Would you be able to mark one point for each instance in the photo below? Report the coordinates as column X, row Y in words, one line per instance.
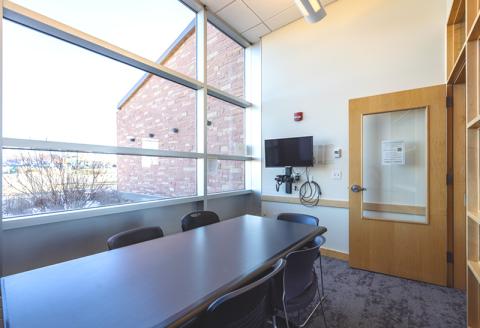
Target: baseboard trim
column 334, row 254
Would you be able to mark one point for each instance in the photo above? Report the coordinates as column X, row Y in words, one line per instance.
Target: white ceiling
column 256, row 18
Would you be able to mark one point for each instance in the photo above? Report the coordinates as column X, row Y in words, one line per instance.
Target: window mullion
column 201, row 32
column 1, row 135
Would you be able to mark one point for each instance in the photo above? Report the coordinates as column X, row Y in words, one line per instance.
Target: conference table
column 164, row 282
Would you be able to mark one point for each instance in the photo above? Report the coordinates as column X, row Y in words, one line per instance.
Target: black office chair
column 247, row 307
column 299, row 218
column 298, row 291
column 199, row 219
column 319, row 240
column 134, row 236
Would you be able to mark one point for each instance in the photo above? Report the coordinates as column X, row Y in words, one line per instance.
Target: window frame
column 30, row 19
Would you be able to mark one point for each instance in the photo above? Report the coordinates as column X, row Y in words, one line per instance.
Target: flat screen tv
column 289, row 152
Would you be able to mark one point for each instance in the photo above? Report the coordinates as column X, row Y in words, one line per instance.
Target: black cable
column 310, row 192
column 277, row 186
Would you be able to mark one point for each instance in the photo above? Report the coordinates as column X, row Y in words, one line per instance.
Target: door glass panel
column 394, row 170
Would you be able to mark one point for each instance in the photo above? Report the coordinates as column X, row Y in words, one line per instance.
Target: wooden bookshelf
column 465, row 14
column 458, row 76
column 456, row 36
column 458, row 72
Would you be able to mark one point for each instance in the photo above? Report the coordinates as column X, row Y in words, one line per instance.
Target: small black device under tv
column 296, row 152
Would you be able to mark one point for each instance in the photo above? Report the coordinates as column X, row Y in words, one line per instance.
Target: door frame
column 408, row 250
column 457, row 268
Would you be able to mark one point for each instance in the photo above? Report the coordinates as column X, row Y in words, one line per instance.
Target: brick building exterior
column 160, row 114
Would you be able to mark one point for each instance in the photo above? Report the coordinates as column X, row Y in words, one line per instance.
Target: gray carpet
column 357, row 298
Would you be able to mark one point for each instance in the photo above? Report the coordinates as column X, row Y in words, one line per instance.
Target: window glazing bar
column 228, row 30
column 219, row 23
column 229, row 194
column 61, row 216
column 39, row 145
column 38, row 22
column 229, row 157
column 2, row 252
column 222, row 95
column 202, row 166
column 193, row 5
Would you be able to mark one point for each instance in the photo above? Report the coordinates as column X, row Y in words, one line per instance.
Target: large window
column 88, row 125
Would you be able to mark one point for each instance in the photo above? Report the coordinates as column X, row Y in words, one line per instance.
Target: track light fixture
column 312, row 10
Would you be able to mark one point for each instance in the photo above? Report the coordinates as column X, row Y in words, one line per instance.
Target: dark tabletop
column 157, row 283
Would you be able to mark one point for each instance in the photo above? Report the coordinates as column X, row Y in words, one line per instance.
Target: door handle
column 357, row 188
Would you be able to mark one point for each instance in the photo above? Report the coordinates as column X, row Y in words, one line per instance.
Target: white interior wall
column 361, row 48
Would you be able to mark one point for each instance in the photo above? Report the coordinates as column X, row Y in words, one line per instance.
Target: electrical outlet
column 336, row 174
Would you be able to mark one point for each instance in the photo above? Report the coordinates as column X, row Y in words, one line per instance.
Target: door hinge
column 449, row 178
column 449, row 102
column 449, row 257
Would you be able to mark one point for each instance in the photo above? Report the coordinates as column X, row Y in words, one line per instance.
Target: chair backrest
column 298, row 218
column 298, row 274
column 247, row 307
column 199, row 219
column 319, row 240
column 134, row 236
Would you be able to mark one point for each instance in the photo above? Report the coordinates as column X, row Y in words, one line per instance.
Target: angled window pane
column 36, row 182
column 226, row 128
column 225, row 63
column 150, row 28
column 225, row 176
column 73, row 95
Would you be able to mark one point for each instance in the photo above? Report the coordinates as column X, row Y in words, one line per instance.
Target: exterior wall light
column 312, row 10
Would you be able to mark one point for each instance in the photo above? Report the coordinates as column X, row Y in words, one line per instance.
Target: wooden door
column 398, row 187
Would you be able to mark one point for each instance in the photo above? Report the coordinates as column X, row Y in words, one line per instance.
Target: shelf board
column 455, row 10
column 475, row 123
column 475, row 269
column 473, row 217
column 458, row 70
column 474, row 33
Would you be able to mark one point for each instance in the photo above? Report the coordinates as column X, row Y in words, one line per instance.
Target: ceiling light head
column 312, row 10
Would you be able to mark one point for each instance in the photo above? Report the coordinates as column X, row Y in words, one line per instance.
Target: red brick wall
column 158, row 106
column 225, row 63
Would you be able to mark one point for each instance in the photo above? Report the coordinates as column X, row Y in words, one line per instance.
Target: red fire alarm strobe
column 298, row 116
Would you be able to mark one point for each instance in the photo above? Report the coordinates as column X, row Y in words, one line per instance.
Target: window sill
column 33, row 220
